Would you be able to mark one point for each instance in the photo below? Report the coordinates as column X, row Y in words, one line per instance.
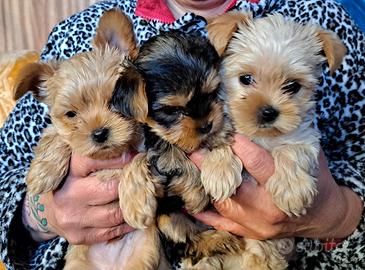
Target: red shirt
column 158, row 10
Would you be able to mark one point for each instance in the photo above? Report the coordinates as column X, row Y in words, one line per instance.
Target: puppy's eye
column 173, row 110
column 70, row 114
column 246, row 79
column 291, row 88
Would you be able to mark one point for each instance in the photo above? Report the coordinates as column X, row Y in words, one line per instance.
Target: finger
column 101, row 192
column 197, row 158
column 103, row 216
column 248, row 194
column 83, row 166
column 232, row 210
column 256, row 160
column 99, row 235
column 89, row 190
column 221, row 223
column 250, row 202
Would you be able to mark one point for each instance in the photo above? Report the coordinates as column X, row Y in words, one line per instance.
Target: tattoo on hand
column 32, row 217
column 36, row 209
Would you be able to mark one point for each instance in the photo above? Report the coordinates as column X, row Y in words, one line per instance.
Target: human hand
column 84, row 210
column 252, row 213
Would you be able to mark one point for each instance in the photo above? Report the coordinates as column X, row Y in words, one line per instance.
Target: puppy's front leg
column 185, row 181
column 50, row 165
column 138, row 190
column 188, row 185
column 293, row 185
column 221, row 172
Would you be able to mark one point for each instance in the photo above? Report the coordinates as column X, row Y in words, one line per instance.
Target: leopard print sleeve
column 340, row 115
column 19, row 135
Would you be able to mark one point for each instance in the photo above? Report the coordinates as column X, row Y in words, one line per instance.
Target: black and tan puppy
column 182, row 110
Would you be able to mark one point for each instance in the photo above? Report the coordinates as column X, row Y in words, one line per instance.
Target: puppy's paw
column 137, row 193
column 292, row 190
column 221, row 173
column 212, row 243
column 262, row 255
column 189, row 187
column 195, row 200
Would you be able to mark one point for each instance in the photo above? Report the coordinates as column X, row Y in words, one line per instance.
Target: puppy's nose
column 205, row 128
column 100, row 135
column 268, row 114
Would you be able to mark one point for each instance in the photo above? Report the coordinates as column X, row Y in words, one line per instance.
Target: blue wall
column 356, row 8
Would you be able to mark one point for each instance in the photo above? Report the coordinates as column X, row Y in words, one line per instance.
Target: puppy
column 270, row 70
column 182, row 112
column 78, row 93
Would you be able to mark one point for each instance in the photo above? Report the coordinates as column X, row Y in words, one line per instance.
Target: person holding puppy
column 84, row 211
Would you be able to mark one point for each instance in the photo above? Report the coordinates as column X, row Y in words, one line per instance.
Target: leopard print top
column 339, row 117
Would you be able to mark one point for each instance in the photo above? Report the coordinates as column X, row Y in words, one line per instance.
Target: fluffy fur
column 78, row 93
column 184, row 114
column 270, row 70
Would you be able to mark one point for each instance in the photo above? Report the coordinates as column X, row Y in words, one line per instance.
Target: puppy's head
column 78, row 91
column 181, row 89
column 270, row 69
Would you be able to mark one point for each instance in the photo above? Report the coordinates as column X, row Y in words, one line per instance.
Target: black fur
column 182, row 68
column 125, row 90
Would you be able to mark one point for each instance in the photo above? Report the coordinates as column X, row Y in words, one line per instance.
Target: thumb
column 83, row 166
column 256, row 160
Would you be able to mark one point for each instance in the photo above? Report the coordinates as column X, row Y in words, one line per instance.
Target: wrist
column 353, row 208
column 33, row 219
column 339, row 216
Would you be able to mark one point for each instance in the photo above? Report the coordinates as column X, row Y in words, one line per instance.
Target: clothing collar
column 158, row 10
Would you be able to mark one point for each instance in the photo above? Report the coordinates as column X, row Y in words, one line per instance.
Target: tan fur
column 216, row 250
column 275, row 53
column 333, row 48
column 115, row 29
column 147, row 255
column 260, row 255
column 221, row 28
column 294, row 190
column 76, row 258
column 293, row 54
column 138, row 192
column 177, row 227
column 221, row 172
column 211, row 83
column 83, row 86
column 50, row 150
column 31, row 78
column 175, row 100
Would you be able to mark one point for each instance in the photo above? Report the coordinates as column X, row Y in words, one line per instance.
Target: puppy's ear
column 32, row 77
column 116, row 30
column 129, row 95
column 220, row 29
column 333, row 48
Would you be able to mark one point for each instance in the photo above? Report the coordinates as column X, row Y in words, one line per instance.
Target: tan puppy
column 270, row 69
column 78, row 93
